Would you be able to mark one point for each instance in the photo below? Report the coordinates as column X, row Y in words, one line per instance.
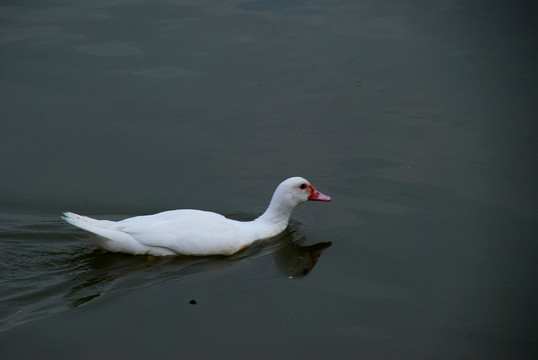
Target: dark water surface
column 418, row 118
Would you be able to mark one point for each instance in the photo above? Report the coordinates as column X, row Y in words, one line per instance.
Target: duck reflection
column 99, row 272
column 296, row 261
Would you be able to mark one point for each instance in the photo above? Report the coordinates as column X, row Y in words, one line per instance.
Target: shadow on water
column 49, row 271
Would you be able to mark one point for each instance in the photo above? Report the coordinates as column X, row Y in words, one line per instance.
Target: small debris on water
column 192, row 302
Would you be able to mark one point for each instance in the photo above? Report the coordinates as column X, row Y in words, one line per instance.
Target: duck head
column 297, row 190
column 288, row 194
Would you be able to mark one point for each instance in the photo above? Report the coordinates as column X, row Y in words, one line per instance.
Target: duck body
column 196, row 232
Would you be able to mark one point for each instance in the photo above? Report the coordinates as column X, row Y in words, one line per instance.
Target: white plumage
column 197, row 232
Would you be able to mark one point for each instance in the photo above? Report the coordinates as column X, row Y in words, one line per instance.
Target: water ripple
column 50, row 267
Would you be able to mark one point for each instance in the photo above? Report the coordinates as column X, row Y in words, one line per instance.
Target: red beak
column 317, row 196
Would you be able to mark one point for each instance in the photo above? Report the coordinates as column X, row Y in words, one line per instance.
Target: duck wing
column 189, row 232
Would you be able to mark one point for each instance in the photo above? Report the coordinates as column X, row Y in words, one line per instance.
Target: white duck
column 197, row 232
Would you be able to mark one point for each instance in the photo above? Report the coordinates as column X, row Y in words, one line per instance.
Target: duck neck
column 278, row 212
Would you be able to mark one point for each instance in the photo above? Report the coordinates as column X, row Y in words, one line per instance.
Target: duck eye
column 303, row 186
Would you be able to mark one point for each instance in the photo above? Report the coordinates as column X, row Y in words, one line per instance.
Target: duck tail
column 86, row 223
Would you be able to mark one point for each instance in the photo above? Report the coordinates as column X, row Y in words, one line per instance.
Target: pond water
column 418, row 119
